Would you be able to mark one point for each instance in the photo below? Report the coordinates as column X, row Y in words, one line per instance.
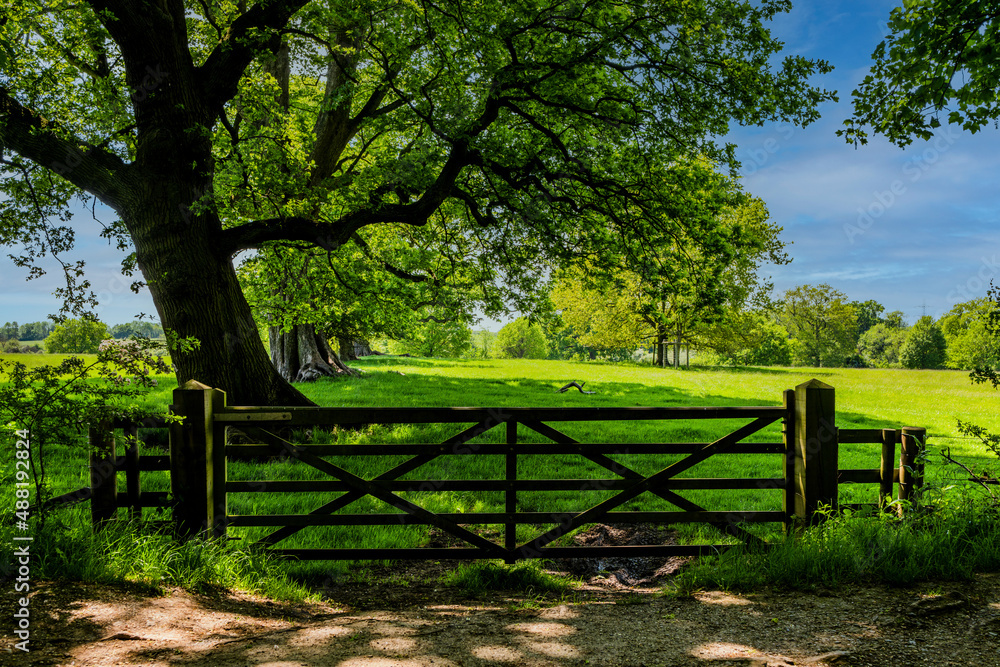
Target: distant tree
column 620, row 302
column 36, row 330
column 9, row 331
column 896, row 320
column 436, row 337
column 924, row 346
column 137, row 328
column 970, row 342
column 748, row 339
column 880, row 345
column 868, row 314
column 77, row 337
column 603, row 316
column 521, row 340
column 823, row 325
column 481, row 344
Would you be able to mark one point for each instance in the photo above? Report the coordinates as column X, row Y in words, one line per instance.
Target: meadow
column 865, row 398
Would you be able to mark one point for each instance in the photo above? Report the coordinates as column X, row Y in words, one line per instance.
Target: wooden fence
column 808, row 478
column 106, row 464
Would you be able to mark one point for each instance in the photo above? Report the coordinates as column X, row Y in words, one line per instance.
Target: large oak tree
column 531, row 131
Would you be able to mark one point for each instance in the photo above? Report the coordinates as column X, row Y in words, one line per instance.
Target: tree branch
column 332, row 235
column 247, row 35
column 31, row 135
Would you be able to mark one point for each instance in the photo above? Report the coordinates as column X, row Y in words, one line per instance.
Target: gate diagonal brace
column 352, row 496
column 627, row 473
column 572, row 522
column 365, row 487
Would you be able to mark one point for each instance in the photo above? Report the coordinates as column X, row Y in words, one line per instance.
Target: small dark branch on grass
column 578, row 386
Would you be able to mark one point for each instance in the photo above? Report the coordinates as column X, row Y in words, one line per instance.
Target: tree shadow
column 620, row 627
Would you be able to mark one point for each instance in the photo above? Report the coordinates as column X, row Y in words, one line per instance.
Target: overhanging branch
column 31, row 135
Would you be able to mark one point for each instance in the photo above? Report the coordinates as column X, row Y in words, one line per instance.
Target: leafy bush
column 49, row 403
column 880, row 345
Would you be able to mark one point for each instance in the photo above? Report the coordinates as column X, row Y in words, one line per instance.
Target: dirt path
column 424, row 624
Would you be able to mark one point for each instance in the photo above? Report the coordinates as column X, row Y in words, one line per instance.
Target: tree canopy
column 673, row 288
column 513, row 134
column 940, row 63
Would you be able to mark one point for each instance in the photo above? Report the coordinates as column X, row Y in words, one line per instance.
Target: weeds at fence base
column 950, row 541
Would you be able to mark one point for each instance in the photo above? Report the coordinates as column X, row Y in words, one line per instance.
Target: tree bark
column 301, row 354
column 352, row 348
column 198, row 296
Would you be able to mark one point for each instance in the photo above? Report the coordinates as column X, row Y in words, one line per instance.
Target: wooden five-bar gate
column 199, row 449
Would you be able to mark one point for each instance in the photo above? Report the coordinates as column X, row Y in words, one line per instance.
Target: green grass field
column 865, row 399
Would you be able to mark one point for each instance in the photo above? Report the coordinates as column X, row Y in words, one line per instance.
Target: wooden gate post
column 788, row 440
column 816, row 464
column 911, row 470
column 191, row 445
column 887, row 468
column 103, row 474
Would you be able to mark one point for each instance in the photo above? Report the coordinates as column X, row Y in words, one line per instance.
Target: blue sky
column 914, row 229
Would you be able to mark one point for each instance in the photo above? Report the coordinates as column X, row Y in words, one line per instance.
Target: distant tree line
column 73, row 336
column 810, row 325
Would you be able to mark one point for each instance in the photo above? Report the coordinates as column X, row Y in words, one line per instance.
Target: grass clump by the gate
column 138, row 554
column 949, row 542
column 527, row 577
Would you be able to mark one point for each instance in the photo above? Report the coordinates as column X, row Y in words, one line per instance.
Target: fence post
column 788, row 438
column 911, row 471
column 816, row 467
column 887, row 468
column 215, row 472
column 190, row 445
column 103, row 475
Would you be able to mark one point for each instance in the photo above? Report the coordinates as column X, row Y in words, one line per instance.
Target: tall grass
column 944, row 543
column 125, row 551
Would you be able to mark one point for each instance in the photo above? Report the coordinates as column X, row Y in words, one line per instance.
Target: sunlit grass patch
column 527, row 577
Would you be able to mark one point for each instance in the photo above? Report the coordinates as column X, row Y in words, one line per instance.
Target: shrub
column 47, row 404
column 880, row 345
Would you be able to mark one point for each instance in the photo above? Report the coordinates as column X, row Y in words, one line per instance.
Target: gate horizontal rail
column 521, row 449
column 488, row 518
column 316, row 416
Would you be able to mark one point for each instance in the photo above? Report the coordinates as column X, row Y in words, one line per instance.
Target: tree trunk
column 197, row 293
column 351, row 349
column 303, row 355
column 677, row 347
